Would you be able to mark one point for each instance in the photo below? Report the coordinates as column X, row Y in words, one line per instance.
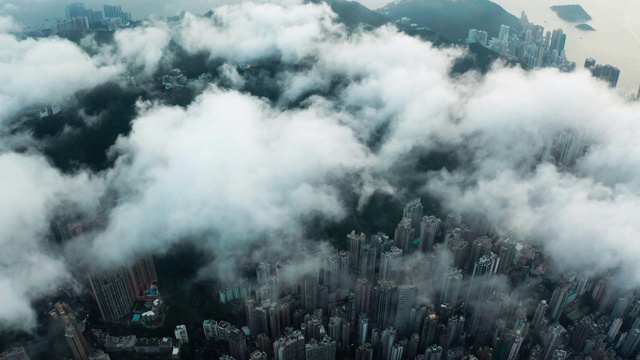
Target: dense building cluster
column 450, row 290
column 473, row 295
column 608, row 73
column 364, row 300
column 78, row 18
column 532, row 46
column 124, row 295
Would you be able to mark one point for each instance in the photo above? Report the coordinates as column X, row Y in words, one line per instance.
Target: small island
column 571, row 13
column 585, row 27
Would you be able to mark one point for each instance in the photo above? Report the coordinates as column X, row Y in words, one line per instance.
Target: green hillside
column 353, row 14
column 452, row 18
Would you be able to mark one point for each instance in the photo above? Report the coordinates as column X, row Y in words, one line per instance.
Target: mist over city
column 432, row 179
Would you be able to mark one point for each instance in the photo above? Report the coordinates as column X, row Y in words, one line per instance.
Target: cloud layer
column 31, row 267
column 231, row 168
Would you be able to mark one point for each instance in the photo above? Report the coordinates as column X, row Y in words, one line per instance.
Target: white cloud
column 44, row 71
column 142, row 47
column 249, row 31
column 228, row 166
column 29, row 267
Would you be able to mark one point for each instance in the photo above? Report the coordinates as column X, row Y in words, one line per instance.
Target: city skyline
column 294, row 169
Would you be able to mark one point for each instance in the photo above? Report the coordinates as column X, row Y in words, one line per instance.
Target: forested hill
column 353, row 14
column 452, row 18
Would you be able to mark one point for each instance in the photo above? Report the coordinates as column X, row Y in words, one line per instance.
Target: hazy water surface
column 616, row 40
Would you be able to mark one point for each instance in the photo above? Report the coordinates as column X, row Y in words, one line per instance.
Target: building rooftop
column 165, row 341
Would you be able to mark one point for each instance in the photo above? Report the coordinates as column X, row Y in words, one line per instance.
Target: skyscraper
column 406, row 301
column 210, row 328
column 262, row 272
column 558, row 301
column 290, row 347
column 515, row 344
column 413, row 211
column 352, row 313
column 274, row 287
column 434, row 352
column 580, row 334
column 415, row 319
column 367, row 262
column 249, row 309
column 364, row 352
column 285, row 313
column 630, row 344
column 481, row 246
column 143, row 274
column 344, row 277
column 268, row 318
column 472, row 36
column 621, row 307
column 388, row 340
column 390, row 264
column 323, row 350
column 504, row 33
column 76, row 9
column 557, row 41
column 334, row 327
column 429, row 327
column 363, row 296
column 404, row 236
column 181, row 334
column 607, row 73
column 363, row 329
column 237, row 344
column 459, row 250
column 386, row 303
column 429, row 227
column 113, row 292
column 412, row 349
column 72, row 332
column 331, row 270
column 397, row 350
column 506, row 254
column 538, row 316
column 615, row 328
column 309, row 288
column 111, row 11
column 355, row 241
column 480, row 286
column 569, row 147
column 452, row 281
column 452, row 221
column 556, row 332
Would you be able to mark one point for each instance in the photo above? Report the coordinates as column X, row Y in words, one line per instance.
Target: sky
column 353, row 113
